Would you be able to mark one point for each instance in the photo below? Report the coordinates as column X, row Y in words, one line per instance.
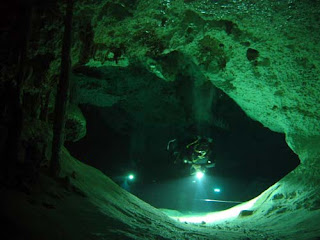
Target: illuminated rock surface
column 76, row 124
column 263, row 54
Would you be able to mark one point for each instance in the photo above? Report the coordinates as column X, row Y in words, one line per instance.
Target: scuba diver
column 197, row 153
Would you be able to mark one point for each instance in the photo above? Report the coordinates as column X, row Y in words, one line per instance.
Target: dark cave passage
column 249, row 157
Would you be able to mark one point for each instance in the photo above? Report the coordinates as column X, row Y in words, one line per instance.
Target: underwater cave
column 248, row 157
column 160, row 119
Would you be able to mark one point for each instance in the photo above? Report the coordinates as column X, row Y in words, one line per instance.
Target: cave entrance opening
column 131, row 137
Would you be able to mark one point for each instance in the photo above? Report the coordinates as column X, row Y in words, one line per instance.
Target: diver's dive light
column 199, row 175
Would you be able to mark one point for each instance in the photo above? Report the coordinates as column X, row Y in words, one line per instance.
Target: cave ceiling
column 255, row 54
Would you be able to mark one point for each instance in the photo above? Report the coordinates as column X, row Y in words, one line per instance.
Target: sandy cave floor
column 88, row 205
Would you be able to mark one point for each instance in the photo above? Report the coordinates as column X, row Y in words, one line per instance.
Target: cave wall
column 263, row 55
column 275, row 84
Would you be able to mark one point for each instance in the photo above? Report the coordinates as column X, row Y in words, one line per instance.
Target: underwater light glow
column 131, row 176
column 217, row 190
column 199, row 175
column 217, row 216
